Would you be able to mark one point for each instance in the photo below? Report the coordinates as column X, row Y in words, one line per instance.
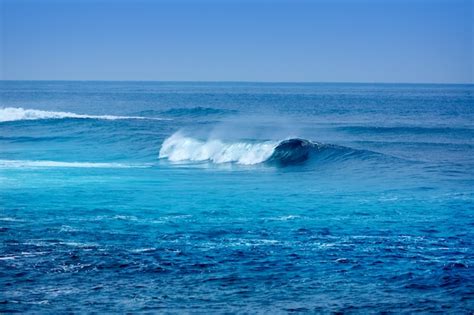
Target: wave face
column 55, row 164
column 16, row 114
column 292, row 151
column 181, row 148
column 281, row 153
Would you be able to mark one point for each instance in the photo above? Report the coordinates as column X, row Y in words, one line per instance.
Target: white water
column 14, row 114
column 54, row 164
column 181, row 148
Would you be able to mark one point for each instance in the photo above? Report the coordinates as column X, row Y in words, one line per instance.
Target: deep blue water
column 161, row 196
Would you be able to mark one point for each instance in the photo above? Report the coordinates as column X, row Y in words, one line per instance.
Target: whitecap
column 8, row 219
column 59, row 164
column 8, row 257
column 18, row 113
column 286, row 218
column 143, row 250
column 181, row 148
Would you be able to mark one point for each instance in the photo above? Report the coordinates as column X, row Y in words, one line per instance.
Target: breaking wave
column 16, row 114
column 178, row 148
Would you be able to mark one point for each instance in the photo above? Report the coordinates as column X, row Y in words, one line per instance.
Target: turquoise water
column 165, row 196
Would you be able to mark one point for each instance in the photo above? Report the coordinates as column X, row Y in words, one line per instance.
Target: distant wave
column 56, row 164
column 286, row 152
column 16, row 114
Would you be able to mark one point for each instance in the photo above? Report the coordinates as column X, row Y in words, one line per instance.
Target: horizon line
column 237, row 81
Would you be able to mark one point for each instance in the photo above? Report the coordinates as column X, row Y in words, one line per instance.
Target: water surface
column 162, row 196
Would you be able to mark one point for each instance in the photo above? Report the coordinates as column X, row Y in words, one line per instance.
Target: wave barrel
column 292, row 151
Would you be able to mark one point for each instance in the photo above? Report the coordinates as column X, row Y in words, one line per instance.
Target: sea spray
column 181, row 148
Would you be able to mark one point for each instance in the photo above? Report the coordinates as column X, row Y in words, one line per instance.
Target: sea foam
column 181, row 148
column 15, row 114
column 55, row 164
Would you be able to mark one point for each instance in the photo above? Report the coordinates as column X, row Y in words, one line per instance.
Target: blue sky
column 318, row 41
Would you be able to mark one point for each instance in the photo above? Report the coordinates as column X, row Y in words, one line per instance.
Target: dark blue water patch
column 198, row 111
column 178, row 271
column 408, row 130
column 148, row 113
column 22, row 139
column 449, row 146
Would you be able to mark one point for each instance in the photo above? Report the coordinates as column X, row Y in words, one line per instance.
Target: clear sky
column 231, row 40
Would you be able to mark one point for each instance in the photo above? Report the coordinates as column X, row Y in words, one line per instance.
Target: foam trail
column 180, row 148
column 15, row 114
column 56, row 164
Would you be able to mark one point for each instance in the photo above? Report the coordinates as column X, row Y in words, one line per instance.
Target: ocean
column 236, row 197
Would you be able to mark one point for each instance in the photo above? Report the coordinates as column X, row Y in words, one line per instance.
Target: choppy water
column 121, row 196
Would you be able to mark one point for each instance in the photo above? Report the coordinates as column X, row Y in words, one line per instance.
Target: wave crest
column 181, row 148
column 18, row 113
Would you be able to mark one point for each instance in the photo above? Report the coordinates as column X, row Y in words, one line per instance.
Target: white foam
column 181, row 148
column 55, row 164
column 15, row 114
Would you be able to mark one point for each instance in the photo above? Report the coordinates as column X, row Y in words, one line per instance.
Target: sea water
column 163, row 197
